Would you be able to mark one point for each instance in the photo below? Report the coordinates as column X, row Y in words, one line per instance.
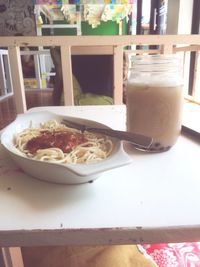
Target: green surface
column 105, row 28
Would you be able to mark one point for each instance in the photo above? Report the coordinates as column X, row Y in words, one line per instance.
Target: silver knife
column 139, row 140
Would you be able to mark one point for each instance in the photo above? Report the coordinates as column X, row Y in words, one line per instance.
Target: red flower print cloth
column 174, row 254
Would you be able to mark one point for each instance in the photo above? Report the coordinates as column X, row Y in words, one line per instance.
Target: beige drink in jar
column 154, row 108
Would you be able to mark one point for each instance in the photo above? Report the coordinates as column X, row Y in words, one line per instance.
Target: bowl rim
column 117, row 159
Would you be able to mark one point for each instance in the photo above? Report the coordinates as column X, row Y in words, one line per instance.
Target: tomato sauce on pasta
column 66, row 141
column 55, row 142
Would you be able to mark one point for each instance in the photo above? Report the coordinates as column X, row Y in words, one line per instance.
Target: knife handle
column 136, row 139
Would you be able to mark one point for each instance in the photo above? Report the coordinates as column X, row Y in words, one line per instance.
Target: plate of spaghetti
column 48, row 150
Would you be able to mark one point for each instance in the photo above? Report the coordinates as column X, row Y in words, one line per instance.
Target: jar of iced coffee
column 155, row 99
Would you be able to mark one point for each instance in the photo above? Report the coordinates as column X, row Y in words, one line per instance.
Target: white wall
column 179, row 16
column 172, row 18
column 185, row 17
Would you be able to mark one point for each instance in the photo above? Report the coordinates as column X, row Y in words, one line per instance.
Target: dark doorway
column 94, row 73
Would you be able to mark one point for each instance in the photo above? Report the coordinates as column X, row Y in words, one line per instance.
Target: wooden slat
column 187, row 48
column 12, row 257
column 92, row 45
column 167, row 49
column 67, row 75
column 17, row 78
column 118, row 75
column 101, row 40
column 195, row 74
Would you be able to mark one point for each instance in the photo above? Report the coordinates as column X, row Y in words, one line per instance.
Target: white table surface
column 155, row 199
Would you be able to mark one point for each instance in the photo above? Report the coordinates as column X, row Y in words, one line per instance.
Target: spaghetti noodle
column 55, row 142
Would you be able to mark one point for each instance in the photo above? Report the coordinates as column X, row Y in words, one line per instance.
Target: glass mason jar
column 154, row 99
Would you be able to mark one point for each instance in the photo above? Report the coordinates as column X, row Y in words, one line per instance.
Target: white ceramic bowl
column 57, row 172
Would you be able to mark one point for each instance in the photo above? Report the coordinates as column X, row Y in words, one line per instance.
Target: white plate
column 56, row 172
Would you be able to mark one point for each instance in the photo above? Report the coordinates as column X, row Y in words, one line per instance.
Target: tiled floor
column 33, row 98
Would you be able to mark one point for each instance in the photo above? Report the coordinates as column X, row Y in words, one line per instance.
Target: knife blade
column 138, row 140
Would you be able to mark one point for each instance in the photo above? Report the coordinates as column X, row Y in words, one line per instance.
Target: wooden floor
column 34, row 98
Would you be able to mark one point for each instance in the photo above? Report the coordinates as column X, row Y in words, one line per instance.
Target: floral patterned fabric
column 174, row 254
column 17, row 17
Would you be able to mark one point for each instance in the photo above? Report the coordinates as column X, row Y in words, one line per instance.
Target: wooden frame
column 90, row 45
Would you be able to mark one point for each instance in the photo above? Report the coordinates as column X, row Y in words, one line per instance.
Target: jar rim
column 156, row 63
